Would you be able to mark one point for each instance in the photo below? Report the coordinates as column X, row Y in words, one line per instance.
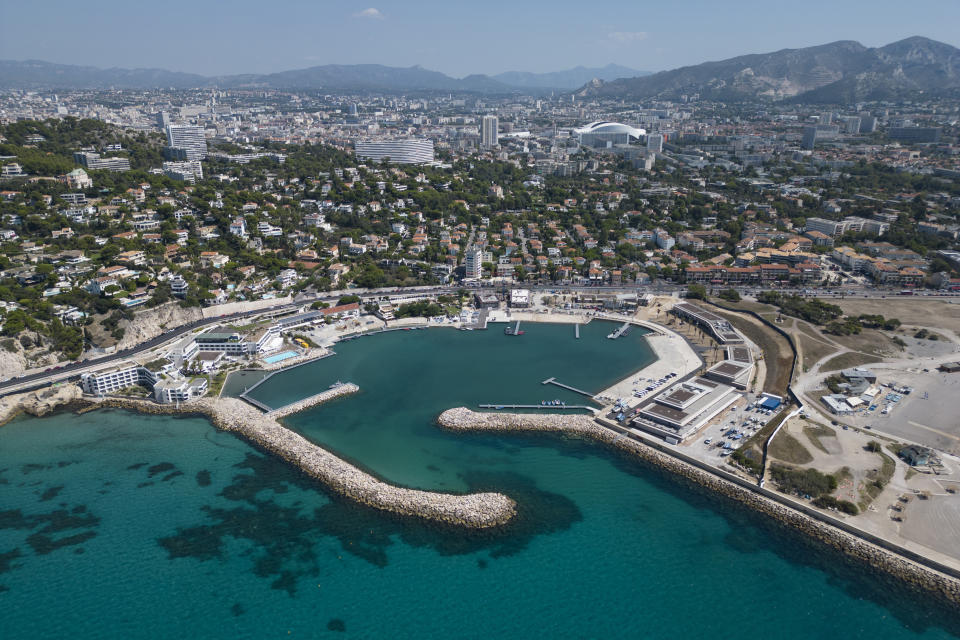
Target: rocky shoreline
column 465, row 420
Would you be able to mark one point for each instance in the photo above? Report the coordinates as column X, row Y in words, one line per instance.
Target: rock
column 149, row 323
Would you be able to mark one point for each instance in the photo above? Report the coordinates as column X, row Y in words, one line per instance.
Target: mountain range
column 35, row 74
column 839, row 72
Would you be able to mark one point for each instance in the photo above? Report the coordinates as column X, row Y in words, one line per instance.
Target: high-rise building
column 655, row 142
column 186, row 142
column 488, row 131
column 868, row 124
column 473, row 261
column 915, row 134
column 409, row 151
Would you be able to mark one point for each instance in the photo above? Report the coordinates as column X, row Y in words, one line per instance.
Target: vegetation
column 730, row 295
column 829, row 502
column 697, row 292
column 803, row 482
column 421, row 309
column 810, row 309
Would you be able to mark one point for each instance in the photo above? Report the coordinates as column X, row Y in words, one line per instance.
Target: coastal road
column 40, row 379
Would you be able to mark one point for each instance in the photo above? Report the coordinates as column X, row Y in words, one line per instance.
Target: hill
column 839, row 72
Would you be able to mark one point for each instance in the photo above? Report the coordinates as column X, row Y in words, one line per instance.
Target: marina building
column 717, row 326
column 682, row 409
column 735, row 370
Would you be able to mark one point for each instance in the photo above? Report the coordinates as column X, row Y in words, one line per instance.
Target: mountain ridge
column 838, row 72
column 38, row 74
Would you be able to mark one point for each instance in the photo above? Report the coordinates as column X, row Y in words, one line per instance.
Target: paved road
column 70, row 371
column 73, row 370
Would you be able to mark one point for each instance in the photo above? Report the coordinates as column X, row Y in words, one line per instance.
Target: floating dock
column 622, row 331
column 576, row 331
column 567, row 387
column 536, row 406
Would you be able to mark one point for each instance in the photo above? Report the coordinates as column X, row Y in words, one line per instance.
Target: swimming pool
column 279, row 357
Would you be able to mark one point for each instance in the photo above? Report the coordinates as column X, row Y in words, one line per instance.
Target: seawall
column 474, row 511
column 918, row 574
column 324, row 396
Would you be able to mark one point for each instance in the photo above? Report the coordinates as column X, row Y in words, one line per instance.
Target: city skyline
column 534, row 37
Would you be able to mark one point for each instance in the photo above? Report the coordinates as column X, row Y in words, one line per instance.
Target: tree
column 697, row 292
column 730, row 295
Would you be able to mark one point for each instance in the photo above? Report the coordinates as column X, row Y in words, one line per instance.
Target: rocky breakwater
column 474, row 511
column 916, row 574
column 342, row 389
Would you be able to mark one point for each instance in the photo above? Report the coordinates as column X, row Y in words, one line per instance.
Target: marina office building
column 682, row 409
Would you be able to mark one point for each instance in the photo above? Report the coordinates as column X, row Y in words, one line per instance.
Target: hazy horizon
column 211, row 40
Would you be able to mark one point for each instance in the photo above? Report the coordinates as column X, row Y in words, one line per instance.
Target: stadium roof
column 611, row 127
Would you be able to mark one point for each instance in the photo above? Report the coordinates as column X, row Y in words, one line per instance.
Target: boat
column 335, row 385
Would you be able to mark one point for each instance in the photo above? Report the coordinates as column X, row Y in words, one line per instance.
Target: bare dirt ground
column 912, row 310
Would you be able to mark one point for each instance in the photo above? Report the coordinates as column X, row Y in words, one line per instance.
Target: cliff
column 150, row 323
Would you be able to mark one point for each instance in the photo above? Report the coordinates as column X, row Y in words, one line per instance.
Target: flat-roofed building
column 176, row 391
column 117, row 377
column 718, row 326
column 520, row 298
column 683, row 408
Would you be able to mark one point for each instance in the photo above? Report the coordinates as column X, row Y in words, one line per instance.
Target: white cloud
column 369, row 13
column 627, row 36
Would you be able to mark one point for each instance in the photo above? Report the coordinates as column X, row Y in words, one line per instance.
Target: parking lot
column 924, row 416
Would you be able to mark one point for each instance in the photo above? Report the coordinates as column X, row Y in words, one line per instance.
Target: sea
column 115, row 524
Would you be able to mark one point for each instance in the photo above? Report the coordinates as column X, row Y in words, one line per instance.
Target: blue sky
column 458, row 38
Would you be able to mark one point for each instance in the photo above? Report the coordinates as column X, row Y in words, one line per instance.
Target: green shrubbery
column 803, row 481
column 829, row 502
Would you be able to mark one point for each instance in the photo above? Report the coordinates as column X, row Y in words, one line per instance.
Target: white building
column 187, row 170
column 488, row 132
column 176, row 391
column 408, row 151
column 113, row 379
column 473, row 261
column 186, row 142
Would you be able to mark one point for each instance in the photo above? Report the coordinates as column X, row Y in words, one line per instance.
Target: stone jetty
column 342, row 389
column 917, row 575
column 475, row 510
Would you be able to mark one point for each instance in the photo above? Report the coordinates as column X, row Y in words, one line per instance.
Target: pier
column 567, row 387
column 576, row 331
column 295, row 407
column 622, row 331
column 536, row 406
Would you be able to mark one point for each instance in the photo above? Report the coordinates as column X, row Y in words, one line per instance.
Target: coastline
column 941, row 584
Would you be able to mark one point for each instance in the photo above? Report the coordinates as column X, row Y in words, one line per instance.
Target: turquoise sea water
column 114, row 524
